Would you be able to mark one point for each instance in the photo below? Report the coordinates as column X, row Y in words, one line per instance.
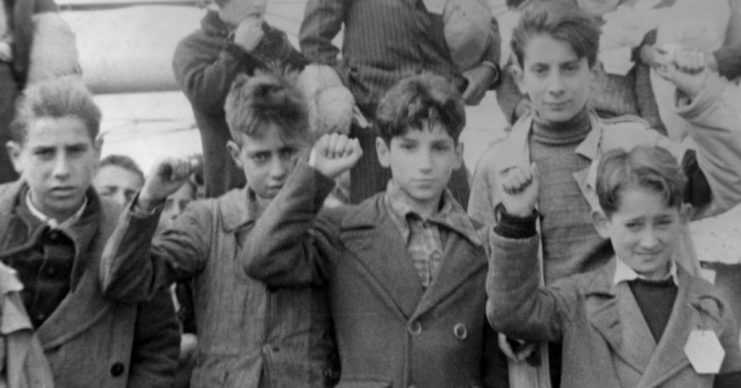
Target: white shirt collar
column 623, row 272
column 51, row 221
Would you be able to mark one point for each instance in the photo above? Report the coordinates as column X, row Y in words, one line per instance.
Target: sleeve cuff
column 510, row 226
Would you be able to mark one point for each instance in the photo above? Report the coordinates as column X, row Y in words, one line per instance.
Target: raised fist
column 166, row 177
column 336, row 153
column 519, row 190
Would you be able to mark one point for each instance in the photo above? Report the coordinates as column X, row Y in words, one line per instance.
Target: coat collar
column 392, row 269
column 84, row 305
column 238, row 208
column 616, row 316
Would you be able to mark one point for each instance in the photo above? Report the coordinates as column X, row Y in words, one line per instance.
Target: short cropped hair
column 123, row 162
column 417, row 98
column 58, row 98
column 266, row 98
column 644, row 167
column 562, row 20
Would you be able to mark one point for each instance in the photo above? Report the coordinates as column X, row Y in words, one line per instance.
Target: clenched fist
column 336, row 153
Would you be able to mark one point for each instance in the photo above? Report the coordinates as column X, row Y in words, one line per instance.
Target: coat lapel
column 462, row 260
column 607, row 314
column 669, row 357
column 374, row 240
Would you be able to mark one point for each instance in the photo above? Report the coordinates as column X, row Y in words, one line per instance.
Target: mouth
column 558, row 105
column 63, row 190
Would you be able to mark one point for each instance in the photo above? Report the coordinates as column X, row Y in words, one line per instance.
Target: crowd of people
column 566, row 260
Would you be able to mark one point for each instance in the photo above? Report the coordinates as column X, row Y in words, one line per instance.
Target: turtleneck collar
column 567, row 132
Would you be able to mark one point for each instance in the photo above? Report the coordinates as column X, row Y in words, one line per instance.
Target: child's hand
column 166, row 177
column 686, row 69
column 249, row 33
column 336, row 153
column 519, row 190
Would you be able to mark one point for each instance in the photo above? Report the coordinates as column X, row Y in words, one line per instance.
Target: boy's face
column 234, row 11
column 644, row 231
column 117, row 183
column 57, row 160
column 267, row 160
column 598, row 7
column 421, row 161
column 555, row 79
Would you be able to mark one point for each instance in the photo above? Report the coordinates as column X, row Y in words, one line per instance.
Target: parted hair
column 253, row 103
column 418, row 98
column 57, row 98
column 563, row 21
column 644, row 167
column 123, row 162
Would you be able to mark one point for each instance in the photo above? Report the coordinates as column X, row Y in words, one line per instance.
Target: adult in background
column 233, row 39
column 384, row 41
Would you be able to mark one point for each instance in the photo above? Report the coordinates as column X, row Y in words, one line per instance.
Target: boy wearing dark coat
column 406, row 267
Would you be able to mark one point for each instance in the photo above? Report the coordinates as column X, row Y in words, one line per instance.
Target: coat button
column 117, row 369
column 460, row 331
column 415, row 328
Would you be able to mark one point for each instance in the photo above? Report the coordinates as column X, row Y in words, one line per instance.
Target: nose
column 555, row 84
column 120, row 198
column 61, row 167
column 649, row 240
column 279, row 168
column 424, row 160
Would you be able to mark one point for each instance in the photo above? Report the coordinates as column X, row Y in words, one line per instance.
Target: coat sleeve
column 322, row 22
column 290, row 244
column 717, row 133
column 484, row 196
column 205, row 68
column 154, row 353
column 517, row 306
column 134, row 268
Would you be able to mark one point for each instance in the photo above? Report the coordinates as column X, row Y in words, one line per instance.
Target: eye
column 540, row 70
column 261, row 157
column 571, row 68
column 288, row 153
column 44, row 153
column 441, row 147
column 408, row 146
column 633, row 225
column 77, row 149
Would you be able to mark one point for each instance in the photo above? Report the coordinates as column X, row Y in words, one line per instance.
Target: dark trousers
column 8, row 95
column 368, row 177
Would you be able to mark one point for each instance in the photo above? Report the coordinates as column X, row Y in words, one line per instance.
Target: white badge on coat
column 435, row 6
column 704, row 351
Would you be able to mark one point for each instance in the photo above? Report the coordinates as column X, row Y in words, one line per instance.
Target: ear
column 597, row 70
column 601, row 223
column 458, row 155
column 382, row 150
column 14, row 151
column 234, row 149
column 519, row 76
column 98, row 146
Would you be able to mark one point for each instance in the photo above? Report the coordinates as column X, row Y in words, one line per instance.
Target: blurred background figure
column 118, row 178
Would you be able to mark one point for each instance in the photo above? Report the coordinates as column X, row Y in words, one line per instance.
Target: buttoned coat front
column 89, row 340
column 606, row 340
column 390, row 331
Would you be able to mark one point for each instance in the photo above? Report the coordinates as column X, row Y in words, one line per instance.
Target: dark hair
column 266, row 98
column 417, row 98
column 58, row 98
column 123, row 162
column 563, row 21
column 645, row 167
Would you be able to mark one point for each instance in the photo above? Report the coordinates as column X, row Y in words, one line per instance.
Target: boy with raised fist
column 406, row 267
column 249, row 334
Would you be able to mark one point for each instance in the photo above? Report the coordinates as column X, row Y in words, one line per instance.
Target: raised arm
column 517, row 306
column 134, row 268
column 322, row 22
column 290, row 244
column 712, row 107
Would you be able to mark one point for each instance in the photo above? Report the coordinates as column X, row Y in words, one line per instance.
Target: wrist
column 148, row 203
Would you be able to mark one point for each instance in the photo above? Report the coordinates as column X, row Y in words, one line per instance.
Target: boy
column 556, row 47
column 53, row 228
column 249, row 335
column 118, row 178
column 233, row 39
column 405, row 268
column 641, row 320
